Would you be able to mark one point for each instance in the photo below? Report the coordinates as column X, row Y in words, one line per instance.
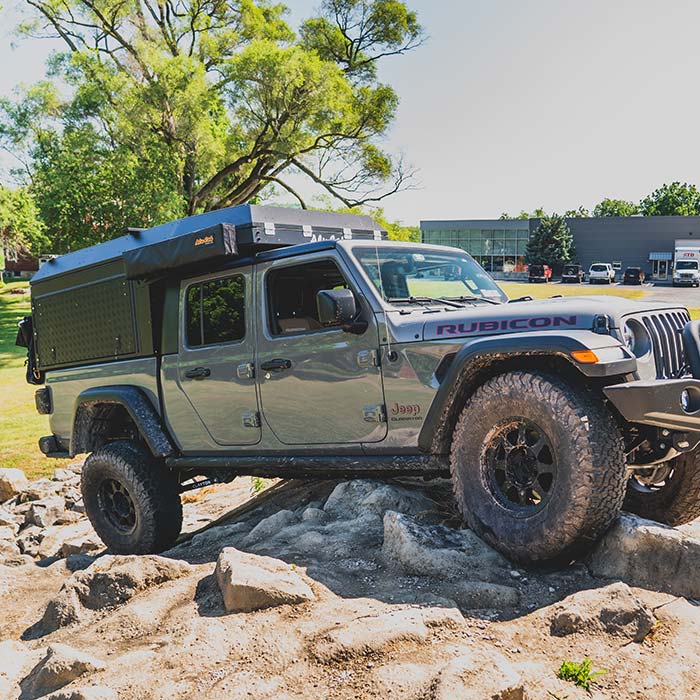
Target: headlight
column 636, row 338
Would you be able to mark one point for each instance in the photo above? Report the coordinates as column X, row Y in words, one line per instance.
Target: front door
column 215, row 361
column 318, row 385
column 659, row 269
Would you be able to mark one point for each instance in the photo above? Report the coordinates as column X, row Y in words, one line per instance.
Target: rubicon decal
column 511, row 324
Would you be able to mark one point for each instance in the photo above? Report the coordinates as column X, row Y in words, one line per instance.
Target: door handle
column 198, row 373
column 276, row 365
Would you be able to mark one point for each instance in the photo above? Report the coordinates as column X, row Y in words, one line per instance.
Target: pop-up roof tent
column 95, row 305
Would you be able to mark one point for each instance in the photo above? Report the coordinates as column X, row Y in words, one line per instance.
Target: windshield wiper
column 424, row 300
column 474, row 298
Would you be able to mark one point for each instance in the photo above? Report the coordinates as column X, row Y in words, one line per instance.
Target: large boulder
column 352, row 499
column 647, row 554
column 61, row 666
column 46, row 511
column 12, row 483
column 109, row 582
column 613, row 609
column 249, row 582
column 370, row 634
column 479, row 676
column 440, row 552
column 270, row 526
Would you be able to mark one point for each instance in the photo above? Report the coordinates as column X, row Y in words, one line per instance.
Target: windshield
column 598, row 268
column 405, row 274
column 687, row 265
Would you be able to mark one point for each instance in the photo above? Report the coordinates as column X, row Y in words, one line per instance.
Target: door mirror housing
column 338, row 307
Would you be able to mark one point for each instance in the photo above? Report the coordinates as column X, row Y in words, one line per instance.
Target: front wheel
column 538, row 467
column 668, row 493
column 131, row 499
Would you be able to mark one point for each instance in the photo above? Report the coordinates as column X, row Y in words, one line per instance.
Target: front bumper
column 685, row 282
column 659, row 402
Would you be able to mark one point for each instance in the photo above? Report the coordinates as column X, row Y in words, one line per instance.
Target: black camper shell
column 106, row 302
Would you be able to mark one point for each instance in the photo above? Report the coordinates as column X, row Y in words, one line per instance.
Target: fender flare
column 137, row 405
column 480, row 352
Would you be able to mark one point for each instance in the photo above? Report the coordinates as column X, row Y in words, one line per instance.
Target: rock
column 30, row 539
column 8, row 550
column 37, row 490
column 12, row 483
column 54, row 537
column 7, row 532
column 439, row 551
column 613, row 609
column 351, row 499
column 270, row 526
column 63, row 475
column 109, row 582
column 93, row 692
column 471, row 595
column 61, row 666
column 370, row 634
column 81, row 545
column 15, row 661
column 479, row 676
column 249, row 582
column 46, row 511
column 649, row 555
column 315, row 515
column 8, row 519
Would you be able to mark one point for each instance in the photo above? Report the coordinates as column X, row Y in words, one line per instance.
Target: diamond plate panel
column 85, row 324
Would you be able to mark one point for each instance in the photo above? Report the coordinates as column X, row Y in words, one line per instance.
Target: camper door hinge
column 374, row 414
column 251, row 419
column 368, row 358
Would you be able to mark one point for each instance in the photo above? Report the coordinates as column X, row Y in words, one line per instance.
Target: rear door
column 216, row 353
column 318, row 385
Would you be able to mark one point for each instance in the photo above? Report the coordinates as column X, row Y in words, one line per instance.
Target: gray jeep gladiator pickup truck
column 277, row 342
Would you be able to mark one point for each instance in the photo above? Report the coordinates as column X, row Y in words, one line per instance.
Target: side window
column 215, row 312
column 291, row 293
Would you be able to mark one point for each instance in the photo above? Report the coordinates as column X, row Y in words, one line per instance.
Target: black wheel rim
column 520, row 466
column 117, row 505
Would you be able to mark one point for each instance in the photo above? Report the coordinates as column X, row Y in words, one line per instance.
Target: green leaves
column 615, row 207
column 183, row 106
column 675, row 199
column 551, row 243
column 20, row 227
column 580, row 674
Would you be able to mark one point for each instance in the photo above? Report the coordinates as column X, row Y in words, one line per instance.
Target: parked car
column 601, row 272
column 633, row 275
column 573, row 274
column 539, row 273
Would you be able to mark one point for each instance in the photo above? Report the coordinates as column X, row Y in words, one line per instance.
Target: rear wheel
column 538, row 468
column 132, row 500
column 669, row 492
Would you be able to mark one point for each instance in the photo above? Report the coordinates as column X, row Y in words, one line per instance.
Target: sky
column 513, row 105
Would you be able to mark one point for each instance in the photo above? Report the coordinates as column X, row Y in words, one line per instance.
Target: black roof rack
column 225, row 233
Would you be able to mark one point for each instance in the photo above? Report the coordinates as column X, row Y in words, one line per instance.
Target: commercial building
column 626, row 241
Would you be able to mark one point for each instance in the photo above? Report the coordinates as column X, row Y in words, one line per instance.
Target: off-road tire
column 587, row 491
column 151, row 488
column 675, row 502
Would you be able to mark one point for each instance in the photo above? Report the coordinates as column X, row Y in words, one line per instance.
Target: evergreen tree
column 551, row 243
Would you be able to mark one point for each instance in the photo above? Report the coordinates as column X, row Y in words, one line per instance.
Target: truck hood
column 555, row 314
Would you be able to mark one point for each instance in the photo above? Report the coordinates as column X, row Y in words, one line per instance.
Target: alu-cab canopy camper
column 105, row 302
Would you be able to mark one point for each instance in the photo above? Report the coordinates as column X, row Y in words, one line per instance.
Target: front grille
column 665, row 331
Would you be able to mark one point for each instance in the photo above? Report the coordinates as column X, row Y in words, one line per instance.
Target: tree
column 20, row 227
column 615, row 207
column 205, row 104
column 675, row 199
column 580, row 213
column 551, row 243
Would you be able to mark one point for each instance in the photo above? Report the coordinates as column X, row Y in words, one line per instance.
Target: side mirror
column 337, row 307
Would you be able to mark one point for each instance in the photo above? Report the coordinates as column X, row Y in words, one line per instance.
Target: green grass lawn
column 542, row 291
column 20, row 425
